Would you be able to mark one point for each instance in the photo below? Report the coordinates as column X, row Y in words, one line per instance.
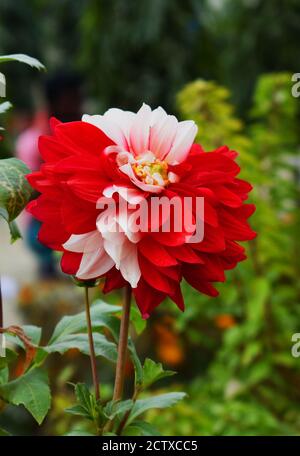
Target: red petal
column 233, row 225
column 194, row 278
column 82, row 137
column 155, row 252
column 155, row 279
column 185, row 253
column 177, row 297
column 147, row 298
column 53, row 235
column 51, row 149
column 70, row 262
column 77, row 217
column 113, row 281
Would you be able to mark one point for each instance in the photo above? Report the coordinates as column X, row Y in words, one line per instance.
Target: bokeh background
column 227, row 64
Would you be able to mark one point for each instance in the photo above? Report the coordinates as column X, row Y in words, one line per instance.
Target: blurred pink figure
column 63, row 100
column 27, row 143
column 27, row 151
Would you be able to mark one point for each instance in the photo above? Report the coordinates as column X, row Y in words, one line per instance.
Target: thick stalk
column 122, row 347
column 91, row 343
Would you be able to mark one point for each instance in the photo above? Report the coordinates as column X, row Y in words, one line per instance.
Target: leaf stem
column 91, row 343
column 122, row 347
column 127, row 414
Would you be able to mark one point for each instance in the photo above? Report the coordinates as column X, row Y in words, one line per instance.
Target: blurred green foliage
column 248, row 382
column 146, row 50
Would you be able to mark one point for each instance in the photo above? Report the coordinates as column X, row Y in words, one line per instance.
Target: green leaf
column 31, row 61
column 156, row 402
column 5, row 106
column 78, row 410
column 256, row 305
column 4, row 433
column 103, row 347
column 15, row 191
column 14, row 231
column 138, row 322
column 152, row 372
column 83, row 395
column 260, row 371
column 140, row 428
column 4, row 375
column 252, row 350
column 100, row 316
column 117, row 408
column 32, row 391
column 34, row 333
column 138, row 369
column 79, row 433
column 9, row 357
column 87, row 407
column 13, row 227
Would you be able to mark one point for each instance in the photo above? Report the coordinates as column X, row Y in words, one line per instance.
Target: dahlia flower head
column 129, row 157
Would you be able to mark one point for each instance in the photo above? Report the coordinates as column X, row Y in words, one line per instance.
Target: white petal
column 113, row 238
column 114, row 248
column 184, row 139
column 124, row 119
column 162, row 136
column 111, row 129
column 132, row 195
column 126, row 224
column 139, row 131
column 146, row 157
column 129, row 267
column 87, row 242
column 173, row 178
column 95, row 260
column 122, row 252
column 124, row 157
column 94, row 264
column 119, row 220
column 106, row 220
column 115, row 150
column 158, row 115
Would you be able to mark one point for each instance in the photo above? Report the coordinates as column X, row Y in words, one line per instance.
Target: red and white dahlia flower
column 123, row 156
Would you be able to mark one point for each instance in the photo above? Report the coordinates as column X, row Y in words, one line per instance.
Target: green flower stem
column 122, row 347
column 91, row 343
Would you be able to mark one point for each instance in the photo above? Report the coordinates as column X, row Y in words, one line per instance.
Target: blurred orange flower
column 225, row 321
column 169, row 349
column 26, row 295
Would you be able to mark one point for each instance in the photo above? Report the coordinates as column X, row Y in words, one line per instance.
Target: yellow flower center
column 152, row 173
